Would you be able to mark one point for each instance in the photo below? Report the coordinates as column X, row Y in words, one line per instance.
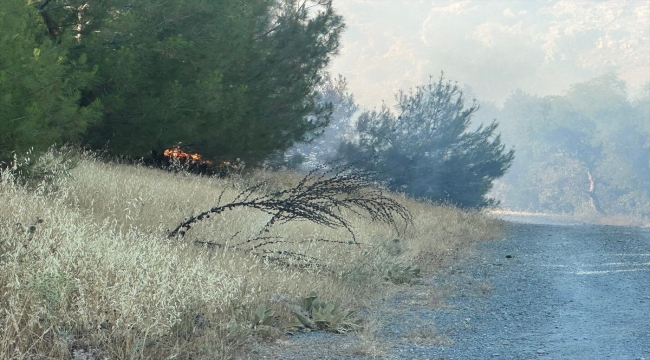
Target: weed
column 401, row 274
column 316, row 314
column 261, row 316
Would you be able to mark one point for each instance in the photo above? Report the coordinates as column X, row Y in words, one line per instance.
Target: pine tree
column 426, row 150
column 230, row 78
column 40, row 84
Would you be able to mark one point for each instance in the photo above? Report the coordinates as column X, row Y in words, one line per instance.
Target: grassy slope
column 86, row 266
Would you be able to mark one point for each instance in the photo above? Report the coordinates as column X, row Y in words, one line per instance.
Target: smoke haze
column 495, row 47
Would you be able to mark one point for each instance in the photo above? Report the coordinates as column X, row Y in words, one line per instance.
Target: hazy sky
column 539, row 46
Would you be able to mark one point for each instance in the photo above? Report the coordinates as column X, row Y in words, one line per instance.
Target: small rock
column 509, row 256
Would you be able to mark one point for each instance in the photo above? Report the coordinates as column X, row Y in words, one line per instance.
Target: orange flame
column 177, row 153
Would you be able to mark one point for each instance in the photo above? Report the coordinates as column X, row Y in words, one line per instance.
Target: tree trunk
column 52, row 27
column 593, row 198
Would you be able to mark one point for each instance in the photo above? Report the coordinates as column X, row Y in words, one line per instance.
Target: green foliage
column 260, row 320
column 231, row 79
column 307, row 302
column 52, row 288
column 316, row 314
column 593, row 135
column 261, row 316
column 426, row 149
column 40, row 84
column 235, row 330
column 401, row 274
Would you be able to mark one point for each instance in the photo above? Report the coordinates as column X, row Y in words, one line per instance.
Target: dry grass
column 369, row 346
column 87, row 270
column 429, row 335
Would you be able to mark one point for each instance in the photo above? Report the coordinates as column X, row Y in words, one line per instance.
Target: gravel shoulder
column 544, row 292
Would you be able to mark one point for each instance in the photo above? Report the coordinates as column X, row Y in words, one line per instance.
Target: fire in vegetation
column 176, row 153
column 195, row 162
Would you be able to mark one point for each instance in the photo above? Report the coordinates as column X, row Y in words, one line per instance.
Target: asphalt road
column 559, row 292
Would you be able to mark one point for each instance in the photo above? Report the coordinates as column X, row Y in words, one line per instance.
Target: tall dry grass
column 87, row 269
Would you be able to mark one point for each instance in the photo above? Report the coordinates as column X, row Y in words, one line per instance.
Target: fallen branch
column 320, row 197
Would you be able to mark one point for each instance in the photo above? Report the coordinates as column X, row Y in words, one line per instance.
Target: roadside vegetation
column 88, row 269
column 131, row 254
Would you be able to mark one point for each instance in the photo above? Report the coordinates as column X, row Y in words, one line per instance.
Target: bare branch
column 321, row 197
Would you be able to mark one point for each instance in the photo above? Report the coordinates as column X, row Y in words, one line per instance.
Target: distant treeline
column 585, row 152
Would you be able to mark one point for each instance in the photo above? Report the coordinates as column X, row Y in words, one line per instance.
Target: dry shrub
column 87, row 269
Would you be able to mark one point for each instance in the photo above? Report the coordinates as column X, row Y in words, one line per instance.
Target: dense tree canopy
column 231, row 78
column 40, row 84
column 426, row 150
